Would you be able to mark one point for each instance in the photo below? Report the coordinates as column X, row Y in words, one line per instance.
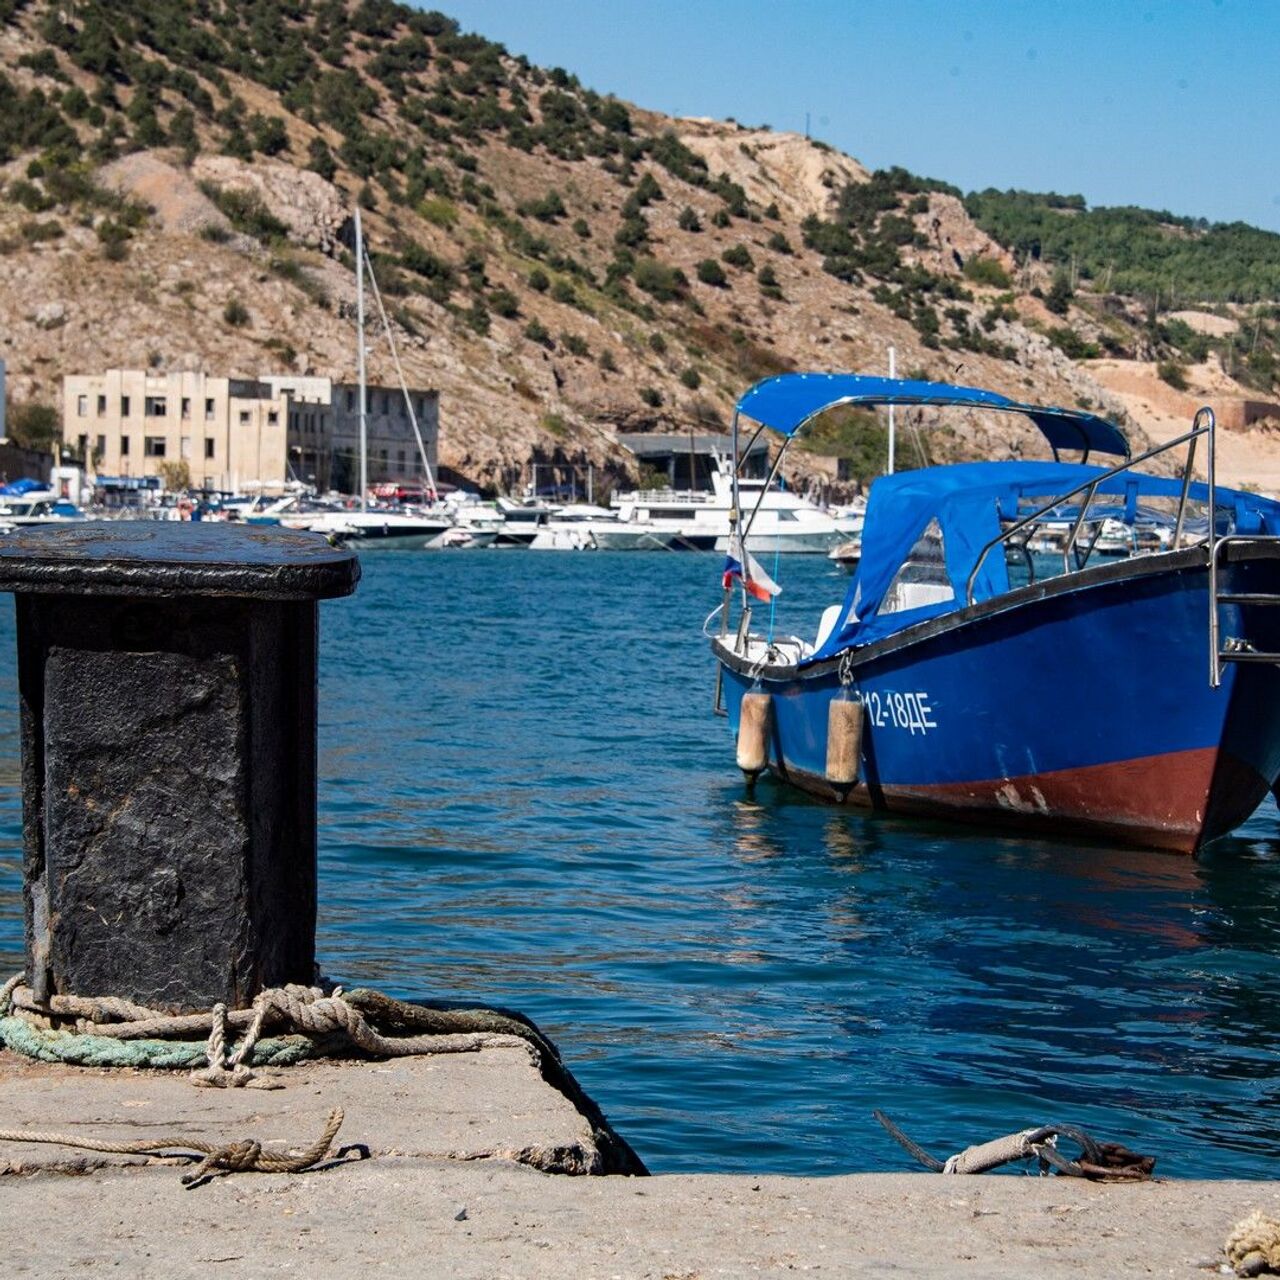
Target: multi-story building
column 393, row 452
column 237, row 434
column 231, row 432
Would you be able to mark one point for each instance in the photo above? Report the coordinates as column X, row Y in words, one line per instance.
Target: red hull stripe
column 1171, row 801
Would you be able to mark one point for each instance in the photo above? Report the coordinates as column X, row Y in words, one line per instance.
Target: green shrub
column 780, row 244
column 236, row 314
column 986, row 271
column 1058, row 299
column 607, row 362
column 537, row 332
column 738, row 255
column 1172, row 373
column 476, row 318
column 691, row 378
column 1071, row 344
column 502, row 302
column 657, row 343
column 651, row 396
column 563, row 291
column 439, row 212
column 712, row 273
column 539, row 280
column 320, row 159
column 32, row 425
column 574, row 344
column 666, row 284
column 688, row 219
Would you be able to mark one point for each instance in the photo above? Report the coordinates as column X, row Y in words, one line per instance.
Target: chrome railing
column 1089, row 488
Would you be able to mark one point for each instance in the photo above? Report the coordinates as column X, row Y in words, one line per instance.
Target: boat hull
column 1081, row 705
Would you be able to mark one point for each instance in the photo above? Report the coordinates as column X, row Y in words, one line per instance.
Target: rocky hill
column 178, row 180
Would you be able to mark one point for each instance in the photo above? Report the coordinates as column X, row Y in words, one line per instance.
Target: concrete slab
column 471, row 1106
column 453, row 1186
column 401, row 1217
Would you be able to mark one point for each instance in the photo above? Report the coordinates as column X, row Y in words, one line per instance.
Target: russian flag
column 741, row 564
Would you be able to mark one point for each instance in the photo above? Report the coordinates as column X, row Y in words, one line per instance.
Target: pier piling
column 167, row 682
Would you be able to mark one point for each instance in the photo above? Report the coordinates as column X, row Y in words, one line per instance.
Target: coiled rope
column 309, row 1022
column 1253, row 1247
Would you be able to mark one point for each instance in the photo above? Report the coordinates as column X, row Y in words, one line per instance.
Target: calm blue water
column 524, row 799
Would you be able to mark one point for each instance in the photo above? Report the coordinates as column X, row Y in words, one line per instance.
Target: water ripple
column 524, row 800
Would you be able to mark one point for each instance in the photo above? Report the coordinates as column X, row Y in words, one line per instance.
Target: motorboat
column 699, row 520
column 847, row 554
column 1131, row 700
column 582, row 527
column 37, row 507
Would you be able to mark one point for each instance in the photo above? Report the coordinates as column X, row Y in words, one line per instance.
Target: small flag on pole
column 741, row 564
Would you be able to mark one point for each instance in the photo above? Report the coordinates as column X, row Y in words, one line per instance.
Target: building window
column 351, row 401
column 186, row 406
column 82, row 406
column 124, row 446
column 208, row 446
column 208, row 410
column 400, row 459
column 102, row 405
column 386, row 404
column 83, row 443
column 244, row 417
column 156, row 407
column 184, row 446
column 153, row 446
column 124, row 406
column 101, row 450
column 273, row 418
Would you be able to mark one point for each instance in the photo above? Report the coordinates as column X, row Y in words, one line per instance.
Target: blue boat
column 1133, row 700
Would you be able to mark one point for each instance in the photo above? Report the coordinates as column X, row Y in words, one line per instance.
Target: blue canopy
column 785, row 403
column 969, row 501
column 20, row 488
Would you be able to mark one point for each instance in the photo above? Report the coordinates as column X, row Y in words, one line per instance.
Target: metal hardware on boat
column 754, row 719
column 844, row 742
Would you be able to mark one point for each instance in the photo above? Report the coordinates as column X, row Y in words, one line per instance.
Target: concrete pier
column 453, row 1186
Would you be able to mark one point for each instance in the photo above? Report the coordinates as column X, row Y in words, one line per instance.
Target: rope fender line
column 216, row 1158
column 1098, row 1161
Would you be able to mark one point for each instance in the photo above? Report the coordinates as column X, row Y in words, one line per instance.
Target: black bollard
column 167, row 678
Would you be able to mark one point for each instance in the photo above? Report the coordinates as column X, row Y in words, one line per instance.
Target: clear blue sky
column 1170, row 104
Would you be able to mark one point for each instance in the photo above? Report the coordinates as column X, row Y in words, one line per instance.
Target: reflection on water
column 525, row 800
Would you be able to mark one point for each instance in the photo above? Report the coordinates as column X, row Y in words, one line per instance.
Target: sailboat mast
column 364, row 416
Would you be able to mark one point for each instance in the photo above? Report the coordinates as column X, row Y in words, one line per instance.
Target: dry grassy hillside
column 177, row 189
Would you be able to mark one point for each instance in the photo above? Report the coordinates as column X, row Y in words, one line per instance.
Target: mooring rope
column 1100, row 1161
column 218, row 1158
column 308, row 1022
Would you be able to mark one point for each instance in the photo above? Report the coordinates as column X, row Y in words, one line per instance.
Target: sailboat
column 381, row 528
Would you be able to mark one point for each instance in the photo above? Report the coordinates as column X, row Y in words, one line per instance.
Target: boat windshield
column 926, row 552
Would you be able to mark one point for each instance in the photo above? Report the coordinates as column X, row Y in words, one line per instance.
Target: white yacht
column 580, row 527
column 698, row 519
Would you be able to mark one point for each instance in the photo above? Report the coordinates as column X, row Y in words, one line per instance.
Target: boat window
column 922, row 579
